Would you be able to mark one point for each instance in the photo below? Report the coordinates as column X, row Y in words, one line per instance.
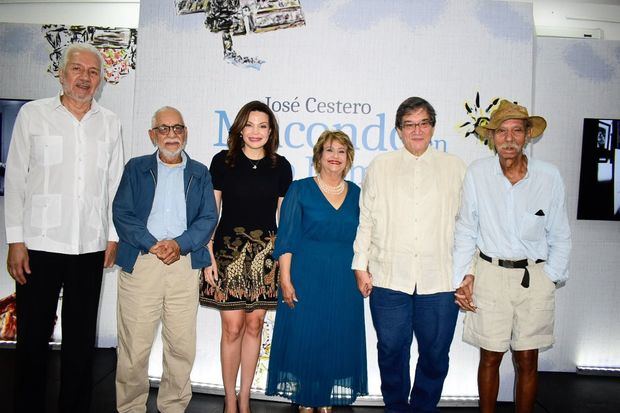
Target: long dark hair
column 235, row 141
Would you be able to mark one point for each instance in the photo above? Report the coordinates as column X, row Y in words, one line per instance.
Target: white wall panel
column 577, row 79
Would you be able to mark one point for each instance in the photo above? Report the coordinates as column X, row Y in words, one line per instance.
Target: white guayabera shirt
column 61, row 177
column 408, row 210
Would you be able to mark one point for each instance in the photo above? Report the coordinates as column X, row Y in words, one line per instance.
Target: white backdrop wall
column 577, row 79
column 367, row 52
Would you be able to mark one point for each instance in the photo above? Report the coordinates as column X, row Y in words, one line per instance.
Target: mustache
column 509, row 145
column 172, row 140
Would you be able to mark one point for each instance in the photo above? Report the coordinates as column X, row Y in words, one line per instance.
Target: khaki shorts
column 508, row 315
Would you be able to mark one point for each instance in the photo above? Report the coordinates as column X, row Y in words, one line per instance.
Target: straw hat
column 508, row 110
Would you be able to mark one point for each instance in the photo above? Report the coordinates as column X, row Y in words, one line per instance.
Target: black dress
column 246, row 232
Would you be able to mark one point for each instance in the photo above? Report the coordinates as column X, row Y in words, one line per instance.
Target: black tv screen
column 8, row 113
column 599, row 182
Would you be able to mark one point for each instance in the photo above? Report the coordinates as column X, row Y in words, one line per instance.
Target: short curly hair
column 327, row 137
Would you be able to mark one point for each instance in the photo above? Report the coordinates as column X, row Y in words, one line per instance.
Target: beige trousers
column 156, row 292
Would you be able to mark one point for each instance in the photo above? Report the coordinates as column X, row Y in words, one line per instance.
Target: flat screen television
column 8, row 113
column 599, row 181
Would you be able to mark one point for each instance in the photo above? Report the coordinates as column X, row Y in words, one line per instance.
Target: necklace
column 328, row 189
column 254, row 163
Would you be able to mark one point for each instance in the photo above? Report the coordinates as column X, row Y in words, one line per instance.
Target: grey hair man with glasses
column 64, row 165
column 403, row 258
column 164, row 212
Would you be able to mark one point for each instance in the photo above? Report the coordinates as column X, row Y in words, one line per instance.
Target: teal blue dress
column 318, row 350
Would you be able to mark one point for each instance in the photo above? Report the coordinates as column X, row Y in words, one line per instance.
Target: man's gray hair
column 163, row 109
column 80, row 47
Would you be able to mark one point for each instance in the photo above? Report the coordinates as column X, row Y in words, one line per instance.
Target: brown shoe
column 304, row 409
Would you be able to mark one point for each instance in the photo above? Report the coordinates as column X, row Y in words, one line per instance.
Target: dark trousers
column 80, row 277
column 397, row 316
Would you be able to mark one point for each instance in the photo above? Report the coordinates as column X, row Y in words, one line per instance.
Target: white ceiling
column 603, row 15
column 600, row 15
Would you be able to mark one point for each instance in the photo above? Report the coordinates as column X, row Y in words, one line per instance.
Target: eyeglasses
column 423, row 125
column 165, row 129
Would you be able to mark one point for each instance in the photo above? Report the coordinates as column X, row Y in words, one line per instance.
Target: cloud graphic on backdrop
column 360, row 14
column 581, row 59
column 477, row 117
column 117, row 47
column 17, row 40
column 240, row 17
column 504, row 21
column 313, row 5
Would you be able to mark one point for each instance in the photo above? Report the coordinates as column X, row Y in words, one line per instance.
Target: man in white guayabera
column 64, row 164
column 403, row 258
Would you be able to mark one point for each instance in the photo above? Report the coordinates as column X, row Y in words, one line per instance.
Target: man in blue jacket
column 164, row 213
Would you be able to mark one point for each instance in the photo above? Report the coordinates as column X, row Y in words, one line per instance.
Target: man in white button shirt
column 512, row 245
column 64, row 165
column 403, row 258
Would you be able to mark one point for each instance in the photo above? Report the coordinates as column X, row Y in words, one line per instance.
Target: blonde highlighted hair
column 327, row 137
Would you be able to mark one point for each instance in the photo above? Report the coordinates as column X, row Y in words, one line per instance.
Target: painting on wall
column 240, row 17
column 117, row 47
column 478, row 116
column 8, row 318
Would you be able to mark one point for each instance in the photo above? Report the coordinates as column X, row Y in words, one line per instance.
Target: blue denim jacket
column 132, row 206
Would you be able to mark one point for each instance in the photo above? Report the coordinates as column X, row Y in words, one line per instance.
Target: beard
column 81, row 95
column 168, row 154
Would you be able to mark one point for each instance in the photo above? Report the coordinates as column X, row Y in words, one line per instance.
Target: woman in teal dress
column 318, row 351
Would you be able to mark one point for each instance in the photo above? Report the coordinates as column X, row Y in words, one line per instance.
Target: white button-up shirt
column 408, row 209
column 61, row 177
column 524, row 220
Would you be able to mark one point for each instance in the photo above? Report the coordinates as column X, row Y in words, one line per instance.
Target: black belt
column 525, row 282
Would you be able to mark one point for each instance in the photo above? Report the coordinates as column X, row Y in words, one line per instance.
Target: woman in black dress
column 249, row 181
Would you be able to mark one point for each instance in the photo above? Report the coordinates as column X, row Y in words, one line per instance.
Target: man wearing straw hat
column 512, row 245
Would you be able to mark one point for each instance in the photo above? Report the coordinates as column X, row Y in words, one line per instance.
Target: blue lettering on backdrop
column 373, row 136
column 223, row 126
column 287, row 134
column 309, row 136
column 380, row 146
column 351, row 131
column 356, row 174
column 297, row 135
